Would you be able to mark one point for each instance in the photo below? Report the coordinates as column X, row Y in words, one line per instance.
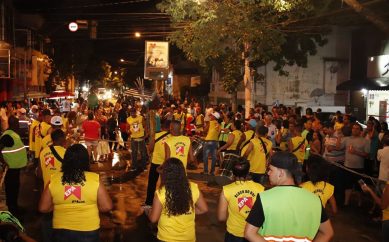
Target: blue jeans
column 209, row 147
column 64, row 235
column 141, row 146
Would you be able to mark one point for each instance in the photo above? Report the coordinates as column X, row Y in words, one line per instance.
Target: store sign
column 378, row 66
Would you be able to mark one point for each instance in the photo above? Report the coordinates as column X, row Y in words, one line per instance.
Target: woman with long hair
column 175, row 204
column 76, row 196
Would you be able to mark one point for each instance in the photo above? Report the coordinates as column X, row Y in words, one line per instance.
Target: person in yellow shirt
column 212, row 129
column 317, row 171
column 157, row 148
column 51, row 159
column 249, row 134
column 175, row 204
column 177, row 145
column 137, row 131
column 180, row 116
column 76, row 196
column 297, row 145
column 199, row 121
column 56, row 123
column 234, row 138
column 41, row 131
column 31, row 136
column 257, row 152
column 236, row 201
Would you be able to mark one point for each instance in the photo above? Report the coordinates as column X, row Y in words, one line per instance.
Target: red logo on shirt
column 245, row 201
column 180, row 150
column 49, row 161
column 72, row 190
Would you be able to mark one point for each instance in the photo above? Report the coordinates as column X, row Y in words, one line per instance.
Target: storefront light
column 364, row 91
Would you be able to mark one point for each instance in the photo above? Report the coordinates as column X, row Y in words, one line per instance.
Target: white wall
column 325, row 70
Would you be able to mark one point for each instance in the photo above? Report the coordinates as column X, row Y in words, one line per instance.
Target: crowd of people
column 282, row 163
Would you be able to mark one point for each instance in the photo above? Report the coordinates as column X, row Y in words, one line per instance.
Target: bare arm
column 46, row 202
column 230, row 140
column 156, row 210
column 325, row 232
column 290, row 145
column 191, row 157
column 222, row 209
column 104, row 201
column 248, row 151
column 201, row 206
column 251, row 233
column 332, row 202
column 167, row 151
column 241, row 140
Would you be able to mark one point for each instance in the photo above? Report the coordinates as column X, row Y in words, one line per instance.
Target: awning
column 29, row 95
column 55, row 95
column 368, row 84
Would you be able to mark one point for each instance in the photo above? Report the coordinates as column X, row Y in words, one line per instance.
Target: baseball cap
column 252, row 123
column 287, row 161
column 22, row 110
column 216, row 115
column 34, row 107
column 56, row 120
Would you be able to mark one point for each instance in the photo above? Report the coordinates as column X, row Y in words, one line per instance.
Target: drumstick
column 3, row 177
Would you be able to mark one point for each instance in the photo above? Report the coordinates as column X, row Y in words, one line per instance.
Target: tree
column 257, row 31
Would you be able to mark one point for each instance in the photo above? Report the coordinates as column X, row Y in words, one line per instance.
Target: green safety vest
column 224, row 136
column 15, row 156
column 291, row 214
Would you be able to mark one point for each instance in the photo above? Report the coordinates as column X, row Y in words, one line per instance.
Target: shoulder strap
column 162, row 136
column 56, row 155
column 263, row 146
column 248, row 141
column 298, row 147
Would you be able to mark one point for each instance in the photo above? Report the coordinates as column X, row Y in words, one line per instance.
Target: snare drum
column 229, row 161
column 197, row 147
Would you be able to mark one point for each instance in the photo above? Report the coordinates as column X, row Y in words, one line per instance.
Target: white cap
column 22, row 110
column 34, row 107
column 56, row 120
column 216, row 115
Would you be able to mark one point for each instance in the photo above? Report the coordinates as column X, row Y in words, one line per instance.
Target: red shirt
column 91, row 129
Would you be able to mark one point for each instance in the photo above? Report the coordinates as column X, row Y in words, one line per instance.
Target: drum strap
column 248, row 141
column 55, row 153
column 263, row 146
column 162, row 136
column 298, row 147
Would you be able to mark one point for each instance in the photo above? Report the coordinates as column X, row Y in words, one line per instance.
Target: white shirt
column 383, row 157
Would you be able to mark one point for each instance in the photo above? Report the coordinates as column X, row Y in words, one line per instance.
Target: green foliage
column 209, row 31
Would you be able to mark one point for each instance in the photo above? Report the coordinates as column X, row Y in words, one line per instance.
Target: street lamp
column 137, row 34
column 122, row 60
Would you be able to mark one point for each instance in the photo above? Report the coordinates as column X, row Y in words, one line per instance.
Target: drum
column 197, row 147
column 229, row 161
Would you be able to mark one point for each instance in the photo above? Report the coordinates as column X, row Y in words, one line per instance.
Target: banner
column 156, row 60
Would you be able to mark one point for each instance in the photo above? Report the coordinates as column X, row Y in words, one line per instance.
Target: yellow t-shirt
column 65, row 124
column 50, row 164
column 338, row 126
column 300, row 152
column 46, row 141
column 257, row 156
column 249, row 134
column 136, row 126
column 179, row 147
column 44, row 129
column 31, row 134
column 181, row 227
column 75, row 206
column 213, row 131
column 159, row 148
column 40, row 132
column 385, row 212
column 284, row 144
column 241, row 196
column 322, row 189
column 237, row 134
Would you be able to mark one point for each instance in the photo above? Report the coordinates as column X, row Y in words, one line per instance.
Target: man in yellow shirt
column 41, row 131
column 212, row 129
column 51, row 156
column 177, row 145
column 56, row 123
column 137, row 131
